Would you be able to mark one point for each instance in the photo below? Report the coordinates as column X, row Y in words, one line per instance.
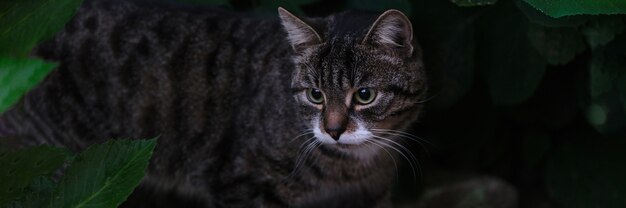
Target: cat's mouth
column 361, row 151
column 350, row 144
column 348, row 140
column 345, row 140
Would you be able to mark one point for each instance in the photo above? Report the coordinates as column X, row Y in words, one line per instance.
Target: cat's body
column 217, row 88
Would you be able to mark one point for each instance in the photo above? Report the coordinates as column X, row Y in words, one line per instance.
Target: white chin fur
column 356, row 137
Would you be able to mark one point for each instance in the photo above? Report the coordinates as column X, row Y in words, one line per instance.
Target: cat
column 249, row 111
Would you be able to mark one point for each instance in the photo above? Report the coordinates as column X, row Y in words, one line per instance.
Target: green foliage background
column 531, row 91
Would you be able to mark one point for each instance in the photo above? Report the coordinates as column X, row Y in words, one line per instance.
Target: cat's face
column 357, row 89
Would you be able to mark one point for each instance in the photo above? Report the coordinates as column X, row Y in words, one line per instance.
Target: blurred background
column 528, row 97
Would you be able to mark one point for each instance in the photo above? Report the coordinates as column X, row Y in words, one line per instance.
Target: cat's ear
column 300, row 34
column 392, row 30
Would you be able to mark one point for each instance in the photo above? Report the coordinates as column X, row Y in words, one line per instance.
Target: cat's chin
column 360, row 151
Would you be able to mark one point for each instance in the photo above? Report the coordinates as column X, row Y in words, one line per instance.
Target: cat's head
column 358, row 78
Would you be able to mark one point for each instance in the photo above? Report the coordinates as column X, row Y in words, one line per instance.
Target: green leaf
column 560, row 8
column 558, row 45
column 23, row 24
column 511, row 67
column 602, row 29
column 538, row 17
column 588, row 174
column 105, row 174
column 380, row 6
column 37, row 194
column 17, row 76
column 467, row 3
column 21, row 167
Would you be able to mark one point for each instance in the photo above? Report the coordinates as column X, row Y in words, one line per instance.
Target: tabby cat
column 250, row 111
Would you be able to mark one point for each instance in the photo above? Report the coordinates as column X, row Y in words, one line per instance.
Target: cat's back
column 142, row 69
column 156, row 29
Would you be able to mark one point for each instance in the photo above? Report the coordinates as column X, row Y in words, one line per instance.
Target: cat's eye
column 315, row 95
column 364, row 96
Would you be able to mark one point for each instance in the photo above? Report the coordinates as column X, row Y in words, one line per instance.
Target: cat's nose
column 335, row 131
column 335, row 124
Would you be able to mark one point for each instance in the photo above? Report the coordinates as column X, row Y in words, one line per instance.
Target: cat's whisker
column 309, row 140
column 382, row 144
column 301, row 134
column 402, row 147
column 408, row 135
column 311, row 145
column 302, row 149
column 303, row 154
column 427, row 99
column 400, row 135
column 411, row 160
column 315, row 145
column 404, row 135
column 395, row 164
column 405, row 149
